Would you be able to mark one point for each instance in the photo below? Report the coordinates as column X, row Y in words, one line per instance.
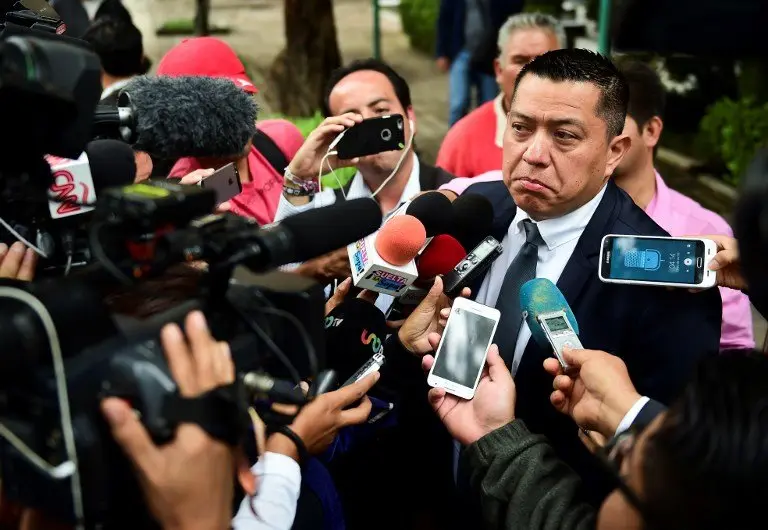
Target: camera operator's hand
column 306, row 163
column 326, row 268
column 188, row 483
column 428, row 317
column 596, row 391
column 492, row 407
column 319, row 421
column 17, row 262
column 727, row 263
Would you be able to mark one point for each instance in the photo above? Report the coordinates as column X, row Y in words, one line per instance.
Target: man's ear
column 497, row 70
column 616, row 151
column 411, row 115
column 652, row 132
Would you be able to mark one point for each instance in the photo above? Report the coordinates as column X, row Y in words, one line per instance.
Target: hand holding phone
column 372, row 136
column 225, row 182
column 461, row 354
column 661, row 261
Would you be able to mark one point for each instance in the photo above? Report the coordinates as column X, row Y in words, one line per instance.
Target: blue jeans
column 462, row 79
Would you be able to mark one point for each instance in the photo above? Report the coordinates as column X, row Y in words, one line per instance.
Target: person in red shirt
column 261, row 181
column 473, row 146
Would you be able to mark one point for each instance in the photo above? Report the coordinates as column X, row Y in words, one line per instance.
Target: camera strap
column 221, row 412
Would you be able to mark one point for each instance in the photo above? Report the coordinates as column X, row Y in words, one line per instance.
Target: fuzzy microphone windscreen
column 202, row 117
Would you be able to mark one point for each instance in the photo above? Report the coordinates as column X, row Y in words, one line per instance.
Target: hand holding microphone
column 596, row 391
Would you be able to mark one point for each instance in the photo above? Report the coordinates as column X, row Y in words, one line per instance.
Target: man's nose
column 537, row 152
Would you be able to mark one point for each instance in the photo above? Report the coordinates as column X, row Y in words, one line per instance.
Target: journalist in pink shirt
column 674, row 212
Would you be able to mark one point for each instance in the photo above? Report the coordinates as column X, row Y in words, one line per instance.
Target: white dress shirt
column 114, row 87
column 631, row 416
column 357, row 190
column 278, row 482
column 560, row 236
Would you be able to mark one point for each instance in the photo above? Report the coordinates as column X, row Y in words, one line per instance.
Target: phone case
column 372, row 136
column 452, row 387
column 650, row 260
column 225, row 182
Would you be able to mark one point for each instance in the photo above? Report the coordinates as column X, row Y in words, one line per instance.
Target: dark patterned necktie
column 522, row 269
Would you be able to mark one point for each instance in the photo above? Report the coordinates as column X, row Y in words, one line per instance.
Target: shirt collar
column 560, row 230
column 501, row 119
column 114, row 87
column 359, row 189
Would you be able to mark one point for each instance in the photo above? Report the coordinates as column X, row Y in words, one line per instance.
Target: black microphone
column 433, row 209
column 295, row 239
column 176, row 117
column 355, row 331
column 472, row 219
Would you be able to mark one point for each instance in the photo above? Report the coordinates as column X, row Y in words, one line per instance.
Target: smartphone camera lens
column 386, row 135
column 400, row 124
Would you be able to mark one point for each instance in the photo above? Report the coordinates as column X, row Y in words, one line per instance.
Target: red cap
column 205, row 57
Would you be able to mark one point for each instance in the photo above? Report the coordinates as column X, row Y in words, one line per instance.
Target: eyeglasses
column 612, row 456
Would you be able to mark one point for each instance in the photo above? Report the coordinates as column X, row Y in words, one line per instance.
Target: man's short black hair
column 706, row 467
column 402, row 90
column 647, row 96
column 119, row 47
column 584, row 66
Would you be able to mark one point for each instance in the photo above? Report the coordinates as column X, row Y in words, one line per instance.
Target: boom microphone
column 177, row 117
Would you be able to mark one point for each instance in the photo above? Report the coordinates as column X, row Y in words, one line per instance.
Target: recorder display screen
column 465, row 342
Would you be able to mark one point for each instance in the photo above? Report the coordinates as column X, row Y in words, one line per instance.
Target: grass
column 186, row 26
column 306, row 125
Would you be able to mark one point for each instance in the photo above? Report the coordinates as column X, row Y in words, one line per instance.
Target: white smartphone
column 461, row 354
column 663, row 261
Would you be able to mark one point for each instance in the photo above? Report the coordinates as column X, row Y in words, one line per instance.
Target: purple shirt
column 680, row 216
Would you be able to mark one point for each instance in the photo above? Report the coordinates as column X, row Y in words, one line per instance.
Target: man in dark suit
column 563, row 141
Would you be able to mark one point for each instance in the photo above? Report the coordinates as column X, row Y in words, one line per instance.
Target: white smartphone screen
column 465, row 342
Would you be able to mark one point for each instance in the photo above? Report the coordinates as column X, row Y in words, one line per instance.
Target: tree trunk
column 300, row 71
column 202, row 28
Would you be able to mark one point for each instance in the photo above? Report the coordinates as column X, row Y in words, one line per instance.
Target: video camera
column 64, row 349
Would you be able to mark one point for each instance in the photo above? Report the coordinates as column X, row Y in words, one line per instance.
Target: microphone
column 472, row 219
column 77, row 183
column 354, row 332
column 433, row 209
column 440, row 257
column 312, row 233
column 549, row 317
column 177, row 117
column 383, row 262
column 400, row 239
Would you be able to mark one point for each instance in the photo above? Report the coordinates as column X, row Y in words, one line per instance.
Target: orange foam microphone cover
column 400, row 239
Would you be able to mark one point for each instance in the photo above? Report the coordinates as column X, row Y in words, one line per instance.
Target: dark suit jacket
column 659, row 333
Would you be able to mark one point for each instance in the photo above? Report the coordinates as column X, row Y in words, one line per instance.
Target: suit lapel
column 583, row 262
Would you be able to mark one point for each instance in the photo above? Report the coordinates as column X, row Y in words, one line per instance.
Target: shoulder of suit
column 631, row 219
column 432, row 177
